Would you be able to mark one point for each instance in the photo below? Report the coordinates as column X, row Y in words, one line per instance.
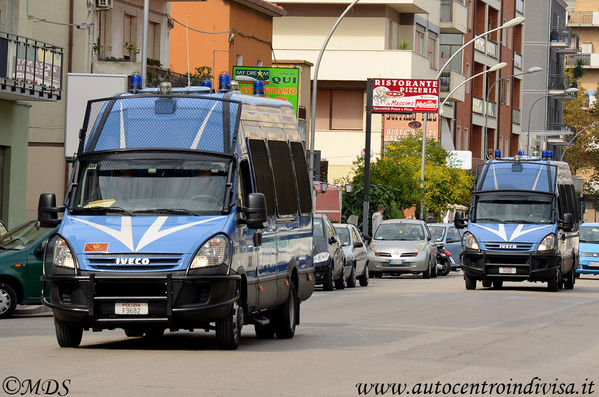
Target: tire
column 497, row 284
column 364, row 278
column 133, row 332
column 470, row 282
column 434, row 269
column 487, row 283
column 287, row 316
column 427, row 272
column 327, row 283
column 340, row 282
column 67, row 335
column 351, row 280
column 228, row 330
column 570, row 279
column 555, row 282
column 445, row 268
column 264, row 331
column 8, row 300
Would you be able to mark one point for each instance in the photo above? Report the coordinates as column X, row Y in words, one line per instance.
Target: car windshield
column 145, row 186
column 513, row 209
column 589, row 234
column 343, row 233
column 22, row 236
column 399, row 231
column 437, row 232
column 318, row 229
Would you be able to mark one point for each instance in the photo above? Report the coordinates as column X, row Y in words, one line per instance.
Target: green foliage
column 399, row 173
column 353, row 203
column 132, row 50
column 403, row 44
column 584, row 154
column 203, row 73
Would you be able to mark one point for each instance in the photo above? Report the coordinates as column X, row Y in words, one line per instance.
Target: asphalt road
column 395, row 331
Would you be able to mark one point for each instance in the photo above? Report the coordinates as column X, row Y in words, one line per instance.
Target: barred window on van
column 263, row 173
column 285, row 184
column 303, row 179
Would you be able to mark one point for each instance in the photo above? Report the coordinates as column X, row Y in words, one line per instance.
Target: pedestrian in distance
column 377, row 218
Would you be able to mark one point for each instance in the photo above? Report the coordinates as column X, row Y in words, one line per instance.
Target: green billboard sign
column 279, row 83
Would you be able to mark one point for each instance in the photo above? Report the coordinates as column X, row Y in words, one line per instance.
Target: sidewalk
column 32, row 310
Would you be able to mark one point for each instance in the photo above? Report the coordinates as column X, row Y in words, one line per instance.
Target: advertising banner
column 405, row 95
column 398, row 126
column 279, row 83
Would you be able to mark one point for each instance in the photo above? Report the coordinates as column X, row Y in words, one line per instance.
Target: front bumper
column 175, row 300
column 588, row 267
column 510, row 266
column 397, row 264
column 321, row 272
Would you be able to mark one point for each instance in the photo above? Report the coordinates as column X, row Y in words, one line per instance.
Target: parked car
column 402, row 246
column 448, row 236
column 588, row 249
column 329, row 260
column 21, row 251
column 355, row 252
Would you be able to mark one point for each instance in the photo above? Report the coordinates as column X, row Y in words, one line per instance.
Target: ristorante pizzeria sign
column 405, row 95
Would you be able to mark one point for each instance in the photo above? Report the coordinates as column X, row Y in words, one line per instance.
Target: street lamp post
column 530, row 70
column 594, row 123
column 571, row 90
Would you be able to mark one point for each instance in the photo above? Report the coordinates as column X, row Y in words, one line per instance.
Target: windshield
column 589, row 234
column 143, row 186
column 513, row 209
column 399, row 231
column 22, row 236
column 437, row 232
column 343, row 233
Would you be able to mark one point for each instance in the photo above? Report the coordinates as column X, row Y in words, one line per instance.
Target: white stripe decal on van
column 196, row 140
column 123, row 141
column 125, row 235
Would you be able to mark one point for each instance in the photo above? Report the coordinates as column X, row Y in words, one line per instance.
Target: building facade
column 584, row 21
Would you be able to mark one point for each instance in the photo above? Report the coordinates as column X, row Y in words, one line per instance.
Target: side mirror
column 332, row 240
column 47, row 212
column 256, row 211
column 358, row 244
column 568, row 223
column 38, row 252
column 460, row 220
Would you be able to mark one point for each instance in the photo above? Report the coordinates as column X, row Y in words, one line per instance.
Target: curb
column 27, row 310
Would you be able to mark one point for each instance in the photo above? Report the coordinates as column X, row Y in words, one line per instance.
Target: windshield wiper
column 173, row 211
column 102, row 210
column 490, row 219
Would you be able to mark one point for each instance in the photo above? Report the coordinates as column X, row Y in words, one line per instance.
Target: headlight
column 470, row 242
column 372, row 247
column 213, row 252
column 322, row 257
column 58, row 257
column 420, row 246
column 548, row 243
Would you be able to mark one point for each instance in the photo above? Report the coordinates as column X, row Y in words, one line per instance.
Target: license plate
column 131, row 309
column 400, row 262
column 594, row 263
column 507, row 270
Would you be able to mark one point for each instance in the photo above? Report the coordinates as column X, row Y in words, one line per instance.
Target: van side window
column 245, row 178
column 263, row 173
column 303, row 179
column 285, row 185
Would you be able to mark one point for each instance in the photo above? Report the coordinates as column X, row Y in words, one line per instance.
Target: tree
column 399, row 172
column 584, row 154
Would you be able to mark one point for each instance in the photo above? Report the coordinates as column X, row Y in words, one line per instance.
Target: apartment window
column 339, row 109
column 129, row 31
column 239, row 61
column 420, row 42
column 459, row 138
column 259, row 63
column 154, row 40
column 466, row 139
column 432, row 52
column 468, row 84
column 505, row 92
column 510, row 37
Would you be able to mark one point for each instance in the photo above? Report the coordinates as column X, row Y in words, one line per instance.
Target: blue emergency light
column 520, row 153
column 206, row 83
column 136, row 81
column 224, row 83
column 497, row 154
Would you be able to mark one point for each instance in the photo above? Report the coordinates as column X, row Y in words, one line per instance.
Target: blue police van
column 522, row 224
column 186, row 210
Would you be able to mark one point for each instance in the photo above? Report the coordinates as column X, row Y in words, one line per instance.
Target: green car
column 21, row 252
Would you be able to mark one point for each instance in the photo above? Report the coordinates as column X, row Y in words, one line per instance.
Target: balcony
column 560, row 129
column 520, row 6
column 486, row 51
column 365, row 64
column 448, row 82
column 30, row 70
column 558, row 82
column 454, row 16
column 478, row 106
column 588, row 60
column 564, row 41
column 516, row 116
column 583, row 18
column 517, row 61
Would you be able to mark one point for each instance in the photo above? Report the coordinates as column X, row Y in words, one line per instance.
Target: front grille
column 503, row 246
column 138, row 261
column 507, row 260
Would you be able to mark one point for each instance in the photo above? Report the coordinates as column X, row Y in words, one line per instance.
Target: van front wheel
column 228, row 330
column 67, row 335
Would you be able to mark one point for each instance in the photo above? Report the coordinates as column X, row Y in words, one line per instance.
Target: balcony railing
column 445, row 81
column 573, row 59
column 486, row 47
column 564, row 38
column 30, row 67
column 580, row 17
column 157, row 75
column 520, row 6
column 516, row 116
column 517, row 60
column 559, row 82
column 478, row 106
column 560, row 127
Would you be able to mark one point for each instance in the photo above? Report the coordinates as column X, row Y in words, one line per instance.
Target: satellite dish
column 414, row 124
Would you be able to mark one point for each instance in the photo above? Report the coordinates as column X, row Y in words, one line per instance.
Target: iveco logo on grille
column 132, row 261
column 508, row 246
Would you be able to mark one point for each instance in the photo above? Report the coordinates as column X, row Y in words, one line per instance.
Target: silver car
column 402, row 246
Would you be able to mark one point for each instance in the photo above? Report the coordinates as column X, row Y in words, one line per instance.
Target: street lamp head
column 534, row 69
column 497, row 67
column 571, row 90
column 513, row 22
